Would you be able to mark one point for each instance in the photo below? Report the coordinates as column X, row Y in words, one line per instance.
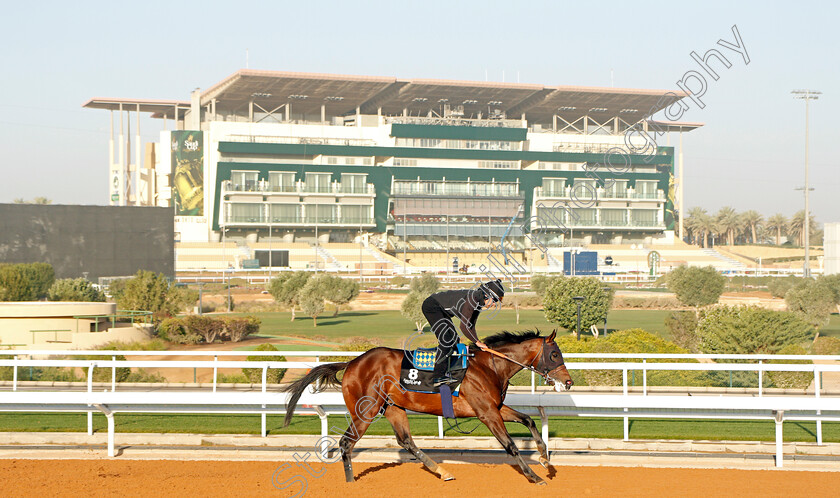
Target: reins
column 527, row 367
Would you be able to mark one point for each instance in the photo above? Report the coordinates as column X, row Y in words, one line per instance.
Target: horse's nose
column 569, row 384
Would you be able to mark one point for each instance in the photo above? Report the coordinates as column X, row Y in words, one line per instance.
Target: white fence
column 627, row 405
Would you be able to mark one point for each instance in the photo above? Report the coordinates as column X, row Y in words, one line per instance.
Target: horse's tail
column 326, row 374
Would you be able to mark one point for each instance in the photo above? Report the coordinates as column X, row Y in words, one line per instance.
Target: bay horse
column 371, row 387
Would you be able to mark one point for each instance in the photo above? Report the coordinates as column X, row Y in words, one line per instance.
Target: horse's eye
column 554, row 355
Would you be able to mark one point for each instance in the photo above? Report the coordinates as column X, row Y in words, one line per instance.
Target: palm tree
column 777, row 222
column 753, row 219
column 706, row 226
column 694, row 223
column 728, row 223
column 796, row 227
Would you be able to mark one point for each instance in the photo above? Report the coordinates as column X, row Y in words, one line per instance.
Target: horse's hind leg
column 511, row 415
column 357, row 429
column 493, row 420
column 399, row 421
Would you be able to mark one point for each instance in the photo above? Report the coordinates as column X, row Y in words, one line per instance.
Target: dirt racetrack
column 225, row 478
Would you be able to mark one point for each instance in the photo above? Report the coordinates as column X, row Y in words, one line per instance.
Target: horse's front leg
column 492, row 418
column 511, row 415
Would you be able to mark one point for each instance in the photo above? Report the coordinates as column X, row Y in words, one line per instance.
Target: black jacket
column 466, row 304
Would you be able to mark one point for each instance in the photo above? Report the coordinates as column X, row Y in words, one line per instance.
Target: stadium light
column 806, row 95
column 578, row 300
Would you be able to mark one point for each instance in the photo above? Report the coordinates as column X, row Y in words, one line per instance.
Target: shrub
column 149, row 292
column 813, row 301
column 750, row 330
column 657, row 302
column 354, row 344
column 40, row 277
column 75, row 289
column 206, row 327
column 826, row 345
column 237, row 328
column 539, row 283
column 233, row 379
column 791, row 380
column 273, row 375
column 150, row 345
column 14, row 284
column 696, row 287
column 683, row 327
column 142, row 375
column 778, row 286
column 173, row 330
column 104, row 374
column 561, row 309
column 400, row 281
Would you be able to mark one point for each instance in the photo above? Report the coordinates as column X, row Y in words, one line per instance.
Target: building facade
column 308, row 157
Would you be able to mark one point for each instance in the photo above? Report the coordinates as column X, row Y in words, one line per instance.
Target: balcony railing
column 265, row 139
column 299, row 188
column 460, row 189
column 586, row 193
column 298, row 220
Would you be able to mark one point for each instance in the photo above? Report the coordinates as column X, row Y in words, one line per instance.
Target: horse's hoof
column 540, row 483
column 544, row 462
column 446, row 476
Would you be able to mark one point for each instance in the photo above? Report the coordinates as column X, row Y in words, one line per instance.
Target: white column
column 121, row 174
column 680, row 184
column 138, row 158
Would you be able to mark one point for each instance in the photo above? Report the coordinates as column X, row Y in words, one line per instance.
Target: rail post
column 779, row 416
column 262, row 415
column 760, row 379
column 14, row 374
column 440, row 427
column 90, row 390
column 544, row 422
column 113, row 374
column 626, row 418
column 215, row 371
column 817, row 389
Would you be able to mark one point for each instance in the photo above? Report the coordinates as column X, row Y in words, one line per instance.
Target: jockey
column 466, row 304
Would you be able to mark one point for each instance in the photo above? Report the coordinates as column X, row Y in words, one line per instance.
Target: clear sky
column 750, row 154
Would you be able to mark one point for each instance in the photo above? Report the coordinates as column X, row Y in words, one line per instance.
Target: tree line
column 730, row 227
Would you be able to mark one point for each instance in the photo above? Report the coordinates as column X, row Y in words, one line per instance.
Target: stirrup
column 446, row 379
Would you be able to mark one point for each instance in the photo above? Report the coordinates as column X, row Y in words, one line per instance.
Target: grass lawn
column 393, row 329
column 421, row 425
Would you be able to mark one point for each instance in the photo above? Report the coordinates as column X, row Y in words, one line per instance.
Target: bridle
column 530, row 366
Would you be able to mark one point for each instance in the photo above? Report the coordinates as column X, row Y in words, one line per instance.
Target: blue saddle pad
column 424, row 358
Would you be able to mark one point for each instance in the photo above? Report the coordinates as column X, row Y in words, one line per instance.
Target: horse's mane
column 506, row 337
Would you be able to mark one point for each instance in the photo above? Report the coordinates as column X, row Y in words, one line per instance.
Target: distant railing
column 299, row 187
column 267, row 139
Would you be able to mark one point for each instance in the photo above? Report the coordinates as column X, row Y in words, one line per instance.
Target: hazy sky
column 750, row 154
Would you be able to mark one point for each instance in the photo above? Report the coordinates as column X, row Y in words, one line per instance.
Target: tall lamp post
column 578, row 300
column 806, row 95
column 607, row 312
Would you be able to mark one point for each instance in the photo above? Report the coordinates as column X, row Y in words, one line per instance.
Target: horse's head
column 551, row 362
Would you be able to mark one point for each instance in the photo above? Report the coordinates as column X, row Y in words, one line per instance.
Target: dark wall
column 105, row 241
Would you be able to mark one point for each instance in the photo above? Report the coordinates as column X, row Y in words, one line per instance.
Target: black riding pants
column 444, row 330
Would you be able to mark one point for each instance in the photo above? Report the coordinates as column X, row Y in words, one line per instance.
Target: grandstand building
column 399, row 166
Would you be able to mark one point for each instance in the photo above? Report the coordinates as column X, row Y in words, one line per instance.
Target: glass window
column 354, row 214
column 646, row 189
column 281, row 181
column 353, row 183
column 321, row 213
column 244, row 180
column 613, row 217
column 616, row 189
column 582, row 216
column 285, row 213
column 644, row 217
column 245, row 213
column 554, row 186
column 318, row 182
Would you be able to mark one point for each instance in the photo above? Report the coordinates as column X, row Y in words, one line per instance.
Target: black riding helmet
column 494, row 290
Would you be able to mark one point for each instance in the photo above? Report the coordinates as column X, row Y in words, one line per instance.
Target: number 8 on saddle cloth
column 418, row 366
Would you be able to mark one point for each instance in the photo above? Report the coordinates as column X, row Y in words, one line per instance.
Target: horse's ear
column 551, row 336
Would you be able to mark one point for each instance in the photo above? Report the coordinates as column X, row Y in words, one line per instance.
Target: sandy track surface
column 226, row 478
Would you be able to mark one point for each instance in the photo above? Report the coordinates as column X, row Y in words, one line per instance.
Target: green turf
column 393, row 329
column 421, row 425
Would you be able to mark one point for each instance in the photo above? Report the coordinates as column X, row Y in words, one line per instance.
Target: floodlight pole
column 806, row 95
column 578, row 300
